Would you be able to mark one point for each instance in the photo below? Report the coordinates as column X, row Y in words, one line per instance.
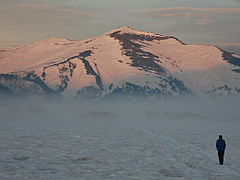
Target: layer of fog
column 215, row 114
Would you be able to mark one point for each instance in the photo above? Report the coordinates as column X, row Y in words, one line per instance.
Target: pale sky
column 192, row 21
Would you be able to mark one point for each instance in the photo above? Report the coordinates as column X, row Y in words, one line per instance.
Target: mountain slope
column 122, row 62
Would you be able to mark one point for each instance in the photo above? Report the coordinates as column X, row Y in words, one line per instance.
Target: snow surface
column 195, row 63
column 114, row 154
column 108, row 51
column 78, row 141
column 237, row 56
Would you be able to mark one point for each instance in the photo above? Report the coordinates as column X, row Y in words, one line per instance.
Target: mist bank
column 216, row 114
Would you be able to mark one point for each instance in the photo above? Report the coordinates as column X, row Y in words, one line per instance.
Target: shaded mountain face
column 122, row 63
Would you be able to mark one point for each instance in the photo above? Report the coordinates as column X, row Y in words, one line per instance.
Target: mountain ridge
column 120, row 62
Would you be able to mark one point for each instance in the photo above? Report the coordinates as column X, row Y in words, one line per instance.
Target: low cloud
column 199, row 16
column 229, row 44
column 231, row 47
column 94, row 21
column 204, row 21
column 48, row 7
column 2, row 14
column 193, row 11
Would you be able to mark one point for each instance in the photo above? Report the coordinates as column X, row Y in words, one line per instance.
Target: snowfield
column 107, row 141
column 114, row 154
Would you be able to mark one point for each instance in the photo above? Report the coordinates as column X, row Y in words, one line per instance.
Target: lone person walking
column 220, row 145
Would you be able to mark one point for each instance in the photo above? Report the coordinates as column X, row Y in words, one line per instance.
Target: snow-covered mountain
column 121, row 63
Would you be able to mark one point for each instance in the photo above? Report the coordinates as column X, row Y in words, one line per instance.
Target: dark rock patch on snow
column 141, row 59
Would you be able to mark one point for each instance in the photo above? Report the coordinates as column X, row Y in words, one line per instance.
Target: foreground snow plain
column 157, row 141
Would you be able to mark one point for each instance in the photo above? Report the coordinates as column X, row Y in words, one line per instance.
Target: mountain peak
column 130, row 30
column 126, row 28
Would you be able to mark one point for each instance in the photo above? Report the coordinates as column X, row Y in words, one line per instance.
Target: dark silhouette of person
column 220, row 145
